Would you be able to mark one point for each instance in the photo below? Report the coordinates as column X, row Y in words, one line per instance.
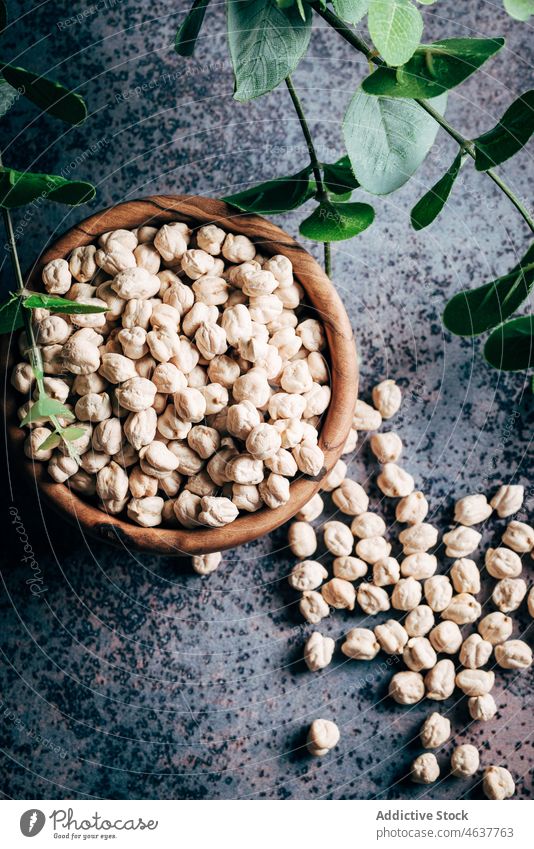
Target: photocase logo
column 32, row 822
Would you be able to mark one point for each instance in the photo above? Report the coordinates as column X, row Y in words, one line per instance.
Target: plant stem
column 355, row 41
column 34, row 352
column 322, row 194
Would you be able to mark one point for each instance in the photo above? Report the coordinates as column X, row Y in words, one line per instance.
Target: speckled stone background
column 129, row 676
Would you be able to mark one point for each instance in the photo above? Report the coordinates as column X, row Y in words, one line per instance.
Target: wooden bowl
column 324, row 300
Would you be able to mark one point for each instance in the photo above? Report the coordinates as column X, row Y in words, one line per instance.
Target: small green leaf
column 334, row 222
column 10, row 316
column 351, row 11
column 44, row 408
column 511, row 346
column 274, row 196
column 188, row 31
column 71, row 434
column 51, row 441
column 339, row 177
column 396, row 27
column 434, row 68
column 508, row 137
column 60, row 305
column 48, row 95
column 18, row 188
column 429, row 207
column 266, row 44
column 521, row 10
column 473, row 311
column 387, row 139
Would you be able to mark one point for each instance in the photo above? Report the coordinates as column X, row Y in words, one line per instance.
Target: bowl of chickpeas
column 213, row 390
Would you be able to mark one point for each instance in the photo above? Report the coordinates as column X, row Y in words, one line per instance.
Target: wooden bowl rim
column 323, row 297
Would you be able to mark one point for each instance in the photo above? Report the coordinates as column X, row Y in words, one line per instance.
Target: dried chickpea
column 419, row 621
column 498, row 783
column 475, row 652
column 425, row 769
column 349, row 568
column 519, row 537
column 495, row 628
column 508, row 594
column 472, row 510
column 513, row 654
column 412, row 509
column 307, row 575
column 407, row 688
column 406, row 594
column 391, row 636
column 446, row 637
column 371, row 599
column 387, row 447
column 323, row 735
column 394, row 481
column 439, row 681
column 508, row 500
column 318, row 651
column 435, row 731
column 339, row 594
column 482, row 707
column 465, row 761
column 360, row 644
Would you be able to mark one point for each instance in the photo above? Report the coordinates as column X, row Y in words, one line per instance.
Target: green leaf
column 266, row 44
column 511, row 346
column 429, row 207
column 351, row 11
column 51, row 441
column 275, row 196
column 396, row 27
column 48, row 95
column 186, row 37
column 18, row 188
column 44, row 408
column 521, row 10
column 10, row 315
column 334, row 222
column 473, row 311
column 508, row 137
column 434, row 68
column 339, row 177
column 71, row 434
column 387, row 140
column 60, row 305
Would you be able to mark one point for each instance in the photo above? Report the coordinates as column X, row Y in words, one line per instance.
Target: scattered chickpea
column 323, row 735
column 498, row 783
column 425, row 769
column 508, row 500
column 318, row 651
column 465, row 761
column 435, row 731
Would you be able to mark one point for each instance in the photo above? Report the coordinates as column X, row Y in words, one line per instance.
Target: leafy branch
column 17, row 189
column 389, row 127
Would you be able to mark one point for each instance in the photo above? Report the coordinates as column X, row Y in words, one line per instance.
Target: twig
column 322, row 194
column 355, row 41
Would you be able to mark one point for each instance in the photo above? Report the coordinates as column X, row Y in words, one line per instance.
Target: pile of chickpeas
column 201, row 387
column 431, row 607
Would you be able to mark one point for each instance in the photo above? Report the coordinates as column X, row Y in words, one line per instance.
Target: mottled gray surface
column 130, row 677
